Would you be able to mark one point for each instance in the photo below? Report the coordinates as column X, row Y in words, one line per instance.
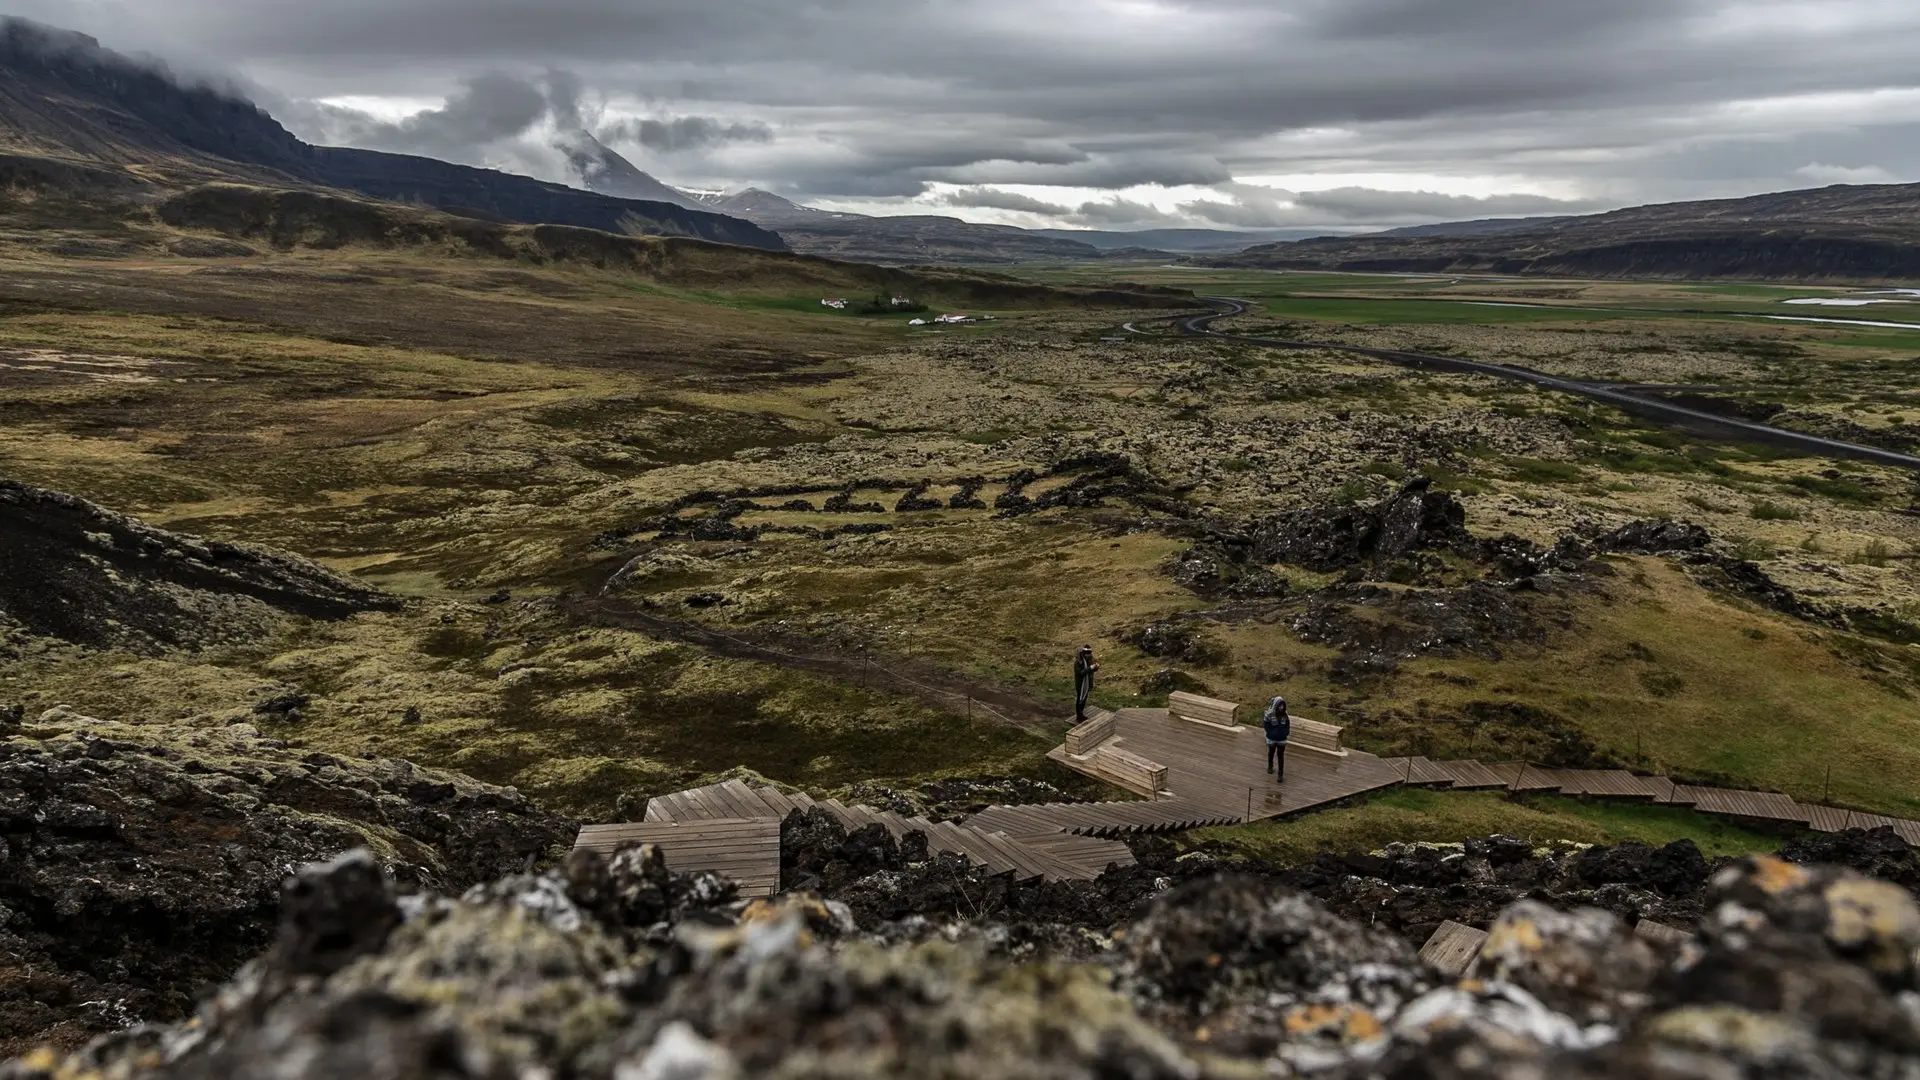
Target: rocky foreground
column 140, row 864
column 624, row 969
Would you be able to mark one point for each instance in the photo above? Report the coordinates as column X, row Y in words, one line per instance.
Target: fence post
column 1828, row 797
column 1249, row 816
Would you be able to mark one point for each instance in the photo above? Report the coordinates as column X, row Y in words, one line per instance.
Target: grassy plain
column 1415, row 816
column 450, row 427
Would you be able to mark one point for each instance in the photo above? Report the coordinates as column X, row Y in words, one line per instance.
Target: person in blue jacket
column 1278, row 726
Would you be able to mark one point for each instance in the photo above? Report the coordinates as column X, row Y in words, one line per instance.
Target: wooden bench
column 1098, row 728
column 1128, row 770
column 1203, row 710
column 1316, row 736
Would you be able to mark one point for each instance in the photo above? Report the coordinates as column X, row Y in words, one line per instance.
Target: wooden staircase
column 1047, row 853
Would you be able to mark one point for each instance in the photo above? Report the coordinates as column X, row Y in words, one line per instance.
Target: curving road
column 1705, row 423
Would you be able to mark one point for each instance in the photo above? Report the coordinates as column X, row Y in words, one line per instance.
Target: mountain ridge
column 1844, row 232
column 64, row 95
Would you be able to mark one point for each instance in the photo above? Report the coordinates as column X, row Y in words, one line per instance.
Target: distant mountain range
column 916, row 238
column 64, row 97
column 1842, row 233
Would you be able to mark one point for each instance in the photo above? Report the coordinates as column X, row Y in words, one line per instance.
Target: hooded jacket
column 1276, row 722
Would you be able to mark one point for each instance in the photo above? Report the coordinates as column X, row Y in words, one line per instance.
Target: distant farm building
column 836, row 303
column 953, row 317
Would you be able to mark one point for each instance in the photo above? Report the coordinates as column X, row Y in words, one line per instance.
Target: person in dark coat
column 1279, row 727
column 1083, row 669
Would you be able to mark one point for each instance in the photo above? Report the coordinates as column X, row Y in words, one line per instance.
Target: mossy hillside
column 475, row 429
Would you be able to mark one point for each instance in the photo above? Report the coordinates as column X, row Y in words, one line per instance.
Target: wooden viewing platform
column 1222, row 771
column 1190, row 771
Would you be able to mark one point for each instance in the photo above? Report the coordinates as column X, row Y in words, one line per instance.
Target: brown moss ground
column 445, row 432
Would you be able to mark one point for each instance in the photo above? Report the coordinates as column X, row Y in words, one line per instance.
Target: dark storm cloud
column 676, row 133
column 985, row 198
column 1620, row 100
column 486, row 109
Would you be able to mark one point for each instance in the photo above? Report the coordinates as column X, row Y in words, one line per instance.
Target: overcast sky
column 1095, row 113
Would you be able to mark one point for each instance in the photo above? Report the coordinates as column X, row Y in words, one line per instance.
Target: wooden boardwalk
column 1023, row 849
column 1210, row 768
column 1190, row 775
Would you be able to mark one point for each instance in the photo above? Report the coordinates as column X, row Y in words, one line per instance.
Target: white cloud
column 1818, row 173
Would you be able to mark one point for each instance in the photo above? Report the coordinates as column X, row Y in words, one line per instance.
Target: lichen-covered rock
column 622, row 969
column 1584, row 963
column 140, row 863
column 494, row 985
column 1335, row 538
column 85, row 574
column 1246, row 964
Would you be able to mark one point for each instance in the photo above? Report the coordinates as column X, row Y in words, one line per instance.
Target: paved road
column 1666, row 412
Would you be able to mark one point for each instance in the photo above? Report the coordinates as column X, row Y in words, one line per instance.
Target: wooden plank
column 776, row 800
column 745, row 850
column 897, row 825
column 1908, row 831
column 1093, row 854
column 945, row 837
column 1014, row 853
column 1009, row 819
column 1661, row 786
column 1507, row 771
column 1685, row 794
column 701, row 805
column 1047, row 863
column 1453, row 948
column 1620, row 784
column 740, row 792
column 1535, row 778
column 1661, row 934
column 1604, row 783
column 1762, row 805
column 839, row 812
column 736, row 803
column 802, row 800
column 1470, row 774
column 1829, row 819
column 1424, row 772
column 658, row 809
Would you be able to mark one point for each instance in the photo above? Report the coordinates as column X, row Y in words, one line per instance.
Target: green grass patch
column 1768, row 510
column 1412, row 814
column 1841, row 490
column 1543, row 471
